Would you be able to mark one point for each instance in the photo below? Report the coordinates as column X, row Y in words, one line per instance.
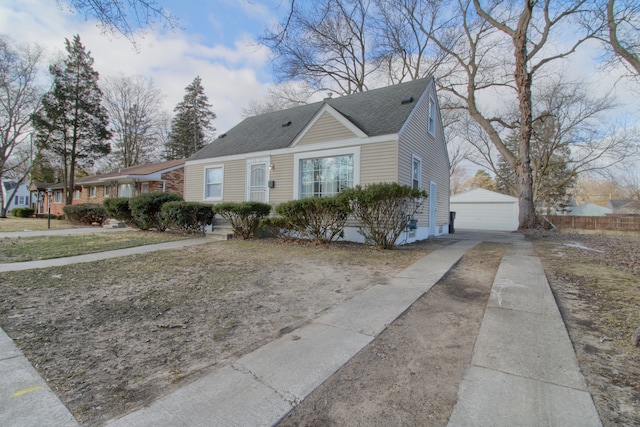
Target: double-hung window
column 125, row 190
column 213, row 183
column 92, row 191
column 57, row 197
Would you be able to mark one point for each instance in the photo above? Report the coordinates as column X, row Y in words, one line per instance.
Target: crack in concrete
column 288, row 397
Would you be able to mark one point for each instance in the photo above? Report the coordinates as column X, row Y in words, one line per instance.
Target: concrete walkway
column 523, row 372
column 55, row 262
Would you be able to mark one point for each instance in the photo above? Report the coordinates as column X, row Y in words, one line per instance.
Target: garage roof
column 480, row 195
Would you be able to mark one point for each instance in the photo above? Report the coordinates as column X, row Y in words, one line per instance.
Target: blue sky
column 217, row 40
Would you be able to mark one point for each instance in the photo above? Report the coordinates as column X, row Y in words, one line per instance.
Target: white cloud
column 230, row 74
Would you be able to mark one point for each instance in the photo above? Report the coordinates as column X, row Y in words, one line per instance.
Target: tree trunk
column 523, row 79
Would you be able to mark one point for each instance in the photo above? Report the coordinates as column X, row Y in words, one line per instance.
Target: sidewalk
column 54, row 262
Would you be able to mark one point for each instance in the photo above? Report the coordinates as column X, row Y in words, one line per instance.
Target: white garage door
column 486, row 216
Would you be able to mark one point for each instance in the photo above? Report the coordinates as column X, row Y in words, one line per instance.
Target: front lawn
column 12, row 223
column 47, row 247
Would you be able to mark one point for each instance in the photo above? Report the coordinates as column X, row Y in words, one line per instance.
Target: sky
column 216, row 41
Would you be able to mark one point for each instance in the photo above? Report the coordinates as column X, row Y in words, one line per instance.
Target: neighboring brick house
column 164, row 177
column 39, row 194
column 128, row 182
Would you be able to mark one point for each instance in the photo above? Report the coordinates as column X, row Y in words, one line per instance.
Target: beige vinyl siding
column 326, row 128
column 379, row 163
column 282, row 174
column 415, row 139
column 235, row 181
column 194, row 183
column 233, row 189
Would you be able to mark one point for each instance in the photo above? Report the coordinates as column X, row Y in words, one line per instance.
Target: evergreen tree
column 42, row 169
column 553, row 178
column 191, row 128
column 72, row 123
column 482, row 179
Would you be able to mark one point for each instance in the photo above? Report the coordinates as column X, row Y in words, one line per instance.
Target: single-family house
column 43, row 191
column 391, row 134
column 128, row 182
column 14, row 195
column 624, row 207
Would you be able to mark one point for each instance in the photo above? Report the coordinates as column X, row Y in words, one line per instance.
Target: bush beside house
column 145, row 209
column 86, row 213
column 244, row 217
column 188, row 217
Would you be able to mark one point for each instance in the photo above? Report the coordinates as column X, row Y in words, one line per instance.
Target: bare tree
column 134, row 105
column 617, row 24
column 279, row 97
column 19, row 96
column 497, row 49
column 126, row 17
column 406, row 50
column 328, row 44
column 570, row 136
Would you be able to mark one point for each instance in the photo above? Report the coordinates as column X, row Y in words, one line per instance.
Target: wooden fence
column 607, row 222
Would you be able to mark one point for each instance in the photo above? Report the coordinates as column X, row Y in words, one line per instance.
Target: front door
column 258, row 182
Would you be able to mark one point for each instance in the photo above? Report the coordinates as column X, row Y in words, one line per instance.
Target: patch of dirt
column 410, row 374
column 596, row 282
column 114, row 335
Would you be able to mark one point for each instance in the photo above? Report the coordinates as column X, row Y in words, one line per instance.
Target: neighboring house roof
column 374, row 112
column 589, row 209
column 480, row 195
column 625, row 206
column 43, row 186
column 148, row 171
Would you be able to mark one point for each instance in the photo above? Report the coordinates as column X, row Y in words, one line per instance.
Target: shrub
column 145, row 209
column 23, row 212
column 244, row 217
column 278, row 227
column 118, row 208
column 320, row 218
column 188, row 217
column 383, row 210
column 85, row 213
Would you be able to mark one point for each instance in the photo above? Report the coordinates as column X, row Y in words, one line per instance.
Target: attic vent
column 284, row 125
column 408, row 100
column 222, row 136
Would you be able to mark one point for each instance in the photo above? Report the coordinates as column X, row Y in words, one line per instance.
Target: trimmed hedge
column 383, row 210
column 23, row 212
column 145, row 209
column 244, row 217
column 320, row 218
column 118, row 208
column 188, row 217
column 85, row 213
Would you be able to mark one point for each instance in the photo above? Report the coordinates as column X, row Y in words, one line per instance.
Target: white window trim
column 354, row 151
column 431, row 118
column 204, row 184
column 55, row 196
column 415, row 157
column 93, row 190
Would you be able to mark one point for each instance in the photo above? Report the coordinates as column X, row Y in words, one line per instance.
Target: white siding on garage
column 481, row 209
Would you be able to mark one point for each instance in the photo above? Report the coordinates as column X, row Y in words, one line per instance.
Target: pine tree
column 552, row 175
column 191, row 128
column 72, row 123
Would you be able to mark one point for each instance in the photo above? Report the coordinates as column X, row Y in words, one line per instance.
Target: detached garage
column 482, row 209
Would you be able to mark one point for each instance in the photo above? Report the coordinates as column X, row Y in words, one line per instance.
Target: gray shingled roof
column 375, row 112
